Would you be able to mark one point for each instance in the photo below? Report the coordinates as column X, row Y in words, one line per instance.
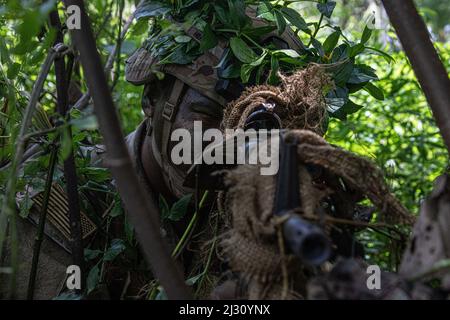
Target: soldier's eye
column 210, row 110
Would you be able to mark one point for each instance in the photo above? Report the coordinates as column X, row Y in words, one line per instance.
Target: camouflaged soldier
column 188, row 93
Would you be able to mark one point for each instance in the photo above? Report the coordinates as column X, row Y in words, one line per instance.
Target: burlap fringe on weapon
column 253, row 247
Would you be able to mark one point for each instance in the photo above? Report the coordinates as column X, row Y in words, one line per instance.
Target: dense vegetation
column 388, row 121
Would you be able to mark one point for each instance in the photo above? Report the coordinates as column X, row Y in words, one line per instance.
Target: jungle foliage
column 377, row 108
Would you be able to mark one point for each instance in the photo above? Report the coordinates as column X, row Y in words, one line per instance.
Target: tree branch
column 70, row 174
column 8, row 206
column 142, row 209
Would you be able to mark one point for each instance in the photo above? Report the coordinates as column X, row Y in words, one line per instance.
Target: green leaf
column 264, row 11
column 231, row 72
column 281, row 22
column 182, row 39
column 318, row 46
column 274, row 67
column 260, row 60
column 91, row 254
column 386, row 56
column 258, row 32
column 223, row 16
column 116, row 248
column 151, row 9
column 66, row 143
column 4, row 52
column 242, row 51
column 209, row 39
column 117, row 210
column 179, row 56
column 331, row 42
column 163, row 207
column 179, row 208
column 374, row 91
column 96, row 174
column 366, row 35
column 140, row 27
column 349, row 108
column 238, row 16
column 246, row 71
column 25, row 205
column 336, row 99
column 288, row 52
column 355, row 50
column 93, row 279
column 326, row 8
column 295, row 19
column 193, row 280
column 361, row 74
column 13, row 70
column 161, row 294
column 340, row 53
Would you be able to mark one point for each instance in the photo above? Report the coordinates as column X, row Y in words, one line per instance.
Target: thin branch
column 70, row 174
column 8, row 206
column 142, row 208
column 42, row 219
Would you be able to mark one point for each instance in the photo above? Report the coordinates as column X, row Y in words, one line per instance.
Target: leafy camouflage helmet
column 202, row 74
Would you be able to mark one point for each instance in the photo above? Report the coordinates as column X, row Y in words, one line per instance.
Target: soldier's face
column 196, row 107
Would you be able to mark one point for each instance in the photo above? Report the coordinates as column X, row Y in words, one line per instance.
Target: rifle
column 305, row 240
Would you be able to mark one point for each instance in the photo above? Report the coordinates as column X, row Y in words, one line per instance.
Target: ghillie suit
column 251, row 246
column 254, row 247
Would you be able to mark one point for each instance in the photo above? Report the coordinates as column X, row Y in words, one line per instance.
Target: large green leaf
column 331, row 42
column 348, row 108
column 340, row 53
column 361, row 74
column 336, row 99
column 265, row 11
column 318, row 46
column 274, row 67
column 366, row 35
column 246, row 71
column 342, row 72
column 179, row 208
column 295, row 19
column 93, row 278
column 209, row 39
column 281, row 22
column 374, row 91
column 152, row 9
column 237, row 14
column 242, row 51
column 288, row 52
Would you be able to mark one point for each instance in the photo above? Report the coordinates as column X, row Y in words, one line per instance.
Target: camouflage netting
column 254, row 246
column 299, row 101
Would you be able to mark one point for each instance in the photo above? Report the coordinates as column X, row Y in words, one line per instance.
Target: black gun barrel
column 306, row 240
